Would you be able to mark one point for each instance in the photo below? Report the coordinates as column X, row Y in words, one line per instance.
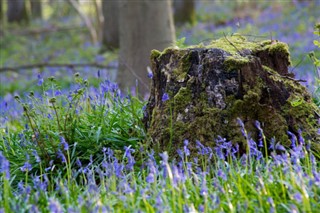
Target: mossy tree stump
column 209, row 87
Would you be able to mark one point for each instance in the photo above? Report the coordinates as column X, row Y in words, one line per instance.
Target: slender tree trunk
column 36, row 8
column 145, row 25
column 1, row 11
column 110, row 34
column 17, row 11
column 184, row 11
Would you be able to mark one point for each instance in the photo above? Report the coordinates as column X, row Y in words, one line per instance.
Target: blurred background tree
column 145, row 25
column 36, row 8
column 110, row 31
column 17, row 12
column 184, row 12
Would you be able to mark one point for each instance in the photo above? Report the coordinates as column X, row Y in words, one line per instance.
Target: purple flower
column 165, row 97
column 35, row 154
column 40, row 80
column 221, row 174
column 150, row 178
column 297, row 197
column 61, row 156
column 54, row 206
column 293, row 139
column 243, row 130
column 26, row 167
column 58, row 93
column 130, row 158
column 64, row 144
column 204, row 189
column 150, row 74
column 4, row 166
column 164, row 157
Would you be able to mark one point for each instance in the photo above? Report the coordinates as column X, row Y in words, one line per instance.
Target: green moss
column 278, row 47
column 155, row 54
column 233, row 63
column 182, row 99
column 233, row 44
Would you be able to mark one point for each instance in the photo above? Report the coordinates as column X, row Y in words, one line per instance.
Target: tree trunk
column 198, row 94
column 110, row 33
column 184, row 12
column 17, row 11
column 36, row 8
column 1, row 11
column 145, row 25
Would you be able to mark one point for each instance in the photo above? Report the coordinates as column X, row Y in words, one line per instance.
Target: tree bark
column 199, row 94
column 36, row 8
column 184, row 12
column 17, row 12
column 145, row 25
column 110, row 33
column 1, row 10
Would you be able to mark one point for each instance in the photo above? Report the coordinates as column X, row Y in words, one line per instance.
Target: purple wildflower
column 40, row 80
column 165, row 97
column 64, row 144
column 26, row 167
column 221, row 174
column 54, row 206
column 243, row 130
column 130, row 158
column 201, row 208
column 204, row 189
column 293, row 139
column 150, row 178
column 61, row 156
column 36, row 156
column 150, row 74
column 4, row 166
column 58, row 93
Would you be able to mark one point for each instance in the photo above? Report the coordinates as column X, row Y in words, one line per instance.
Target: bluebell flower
column 36, row 156
column 221, row 174
column 293, row 139
column 201, row 208
column 61, row 156
column 150, row 178
column 64, row 144
column 165, row 97
column 58, row 93
column 54, row 206
column 204, row 189
column 26, row 167
column 150, row 74
column 4, row 166
column 242, row 127
column 40, row 80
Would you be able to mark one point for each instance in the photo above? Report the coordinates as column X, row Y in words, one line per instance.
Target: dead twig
column 232, row 44
column 52, row 29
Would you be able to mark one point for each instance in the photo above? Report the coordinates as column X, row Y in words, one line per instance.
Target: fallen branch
column 41, row 65
column 42, row 30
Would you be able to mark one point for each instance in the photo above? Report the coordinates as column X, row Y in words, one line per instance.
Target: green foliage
column 86, row 119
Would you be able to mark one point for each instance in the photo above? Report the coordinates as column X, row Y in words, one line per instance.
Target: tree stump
column 209, row 87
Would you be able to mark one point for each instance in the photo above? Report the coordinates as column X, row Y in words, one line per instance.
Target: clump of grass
column 71, row 125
